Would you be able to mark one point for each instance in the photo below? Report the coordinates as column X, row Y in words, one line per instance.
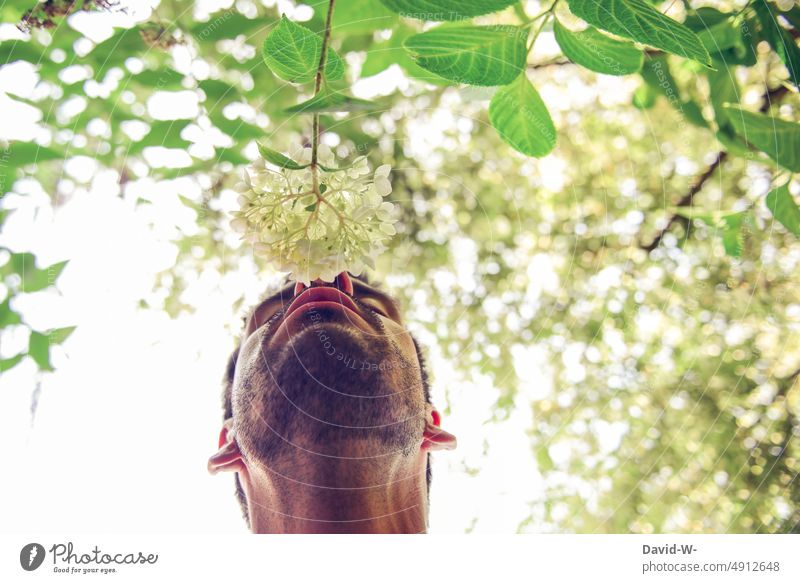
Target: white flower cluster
column 341, row 225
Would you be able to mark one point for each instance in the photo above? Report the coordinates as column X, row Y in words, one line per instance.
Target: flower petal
column 239, row 225
column 383, row 186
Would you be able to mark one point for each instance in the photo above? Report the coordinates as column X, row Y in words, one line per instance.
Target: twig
column 323, row 54
column 768, row 99
column 545, row 16
column 687, row 199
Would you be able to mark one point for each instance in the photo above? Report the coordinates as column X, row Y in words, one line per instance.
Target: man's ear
column 434, row 437
column 228, row 457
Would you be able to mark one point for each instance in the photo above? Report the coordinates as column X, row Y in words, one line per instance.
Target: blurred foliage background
column 654, row 357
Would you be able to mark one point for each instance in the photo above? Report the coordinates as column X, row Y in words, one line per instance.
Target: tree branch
column 687, row 199
column 768, row 99
column 323, row 55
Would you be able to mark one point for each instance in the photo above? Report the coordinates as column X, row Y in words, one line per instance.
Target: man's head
column 326, row 384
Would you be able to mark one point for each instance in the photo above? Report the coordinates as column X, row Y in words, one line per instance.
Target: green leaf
column 389, row 52
column 720, row 37
column 18, row 50
column 711, row 218
column 723, row 88
column 218, row 92
column 656, row 73
column 543, row 460
column 778, row 139
column 292, row 52
column 160, row 79
column 280, row 160
column 439, row 10
column 113, row 51
column 20, row 154
column 733, row 240
column 24, row 153
column 521, row 118
column 39, row 345
column 9, row 363
column 744, row 52
column 39, row 350
column 8, row 317
column 724, row 37
column 12, row 11
column 793, row 16
column 476, row 55
column 598, row 52
column 331, row 101
column 704, row 17
column 640, row 21
column 32, row 278
column 59, row 335
column 644, row 97
column 238, row 129
column 779, row 38
column 783, row 207
column 729, row 36
column 231, row 155
column 361, row 16
column 727, row 223
column 692, row 112
column 736, row 145
column 195, row 206
column 381, row 56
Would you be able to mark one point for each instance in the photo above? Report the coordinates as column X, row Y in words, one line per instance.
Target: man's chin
column 333, row 354
column 315, row 315
column 326, row 338
column 331, row 384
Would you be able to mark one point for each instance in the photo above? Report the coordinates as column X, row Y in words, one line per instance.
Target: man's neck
column 342, row 497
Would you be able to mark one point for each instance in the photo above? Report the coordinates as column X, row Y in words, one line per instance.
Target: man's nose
column 342, row 282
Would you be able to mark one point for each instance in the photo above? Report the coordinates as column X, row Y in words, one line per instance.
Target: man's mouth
column 324, row 298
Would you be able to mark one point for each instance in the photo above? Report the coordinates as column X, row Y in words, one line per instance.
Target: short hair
column 227, row 408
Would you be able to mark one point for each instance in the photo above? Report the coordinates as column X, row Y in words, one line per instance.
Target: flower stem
column 323, row 55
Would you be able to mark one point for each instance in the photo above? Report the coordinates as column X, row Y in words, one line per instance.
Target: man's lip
column 321, row 294
column 329, row 298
